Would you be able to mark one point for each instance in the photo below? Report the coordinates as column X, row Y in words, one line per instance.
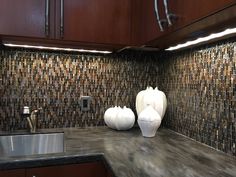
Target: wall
column 55, row 82
column 201, row 88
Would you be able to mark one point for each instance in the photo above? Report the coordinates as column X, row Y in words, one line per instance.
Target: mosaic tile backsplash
column 55, row 82
column 200, row 85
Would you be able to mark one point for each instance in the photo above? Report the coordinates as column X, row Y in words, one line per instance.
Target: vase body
column 149, row 121
column 119, row 118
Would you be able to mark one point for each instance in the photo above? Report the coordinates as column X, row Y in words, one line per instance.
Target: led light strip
column 203, row 39
column 57, row 48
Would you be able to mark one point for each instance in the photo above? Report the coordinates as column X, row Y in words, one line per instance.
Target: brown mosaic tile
column 55, row 81
column 201, row 91
column 200, row 85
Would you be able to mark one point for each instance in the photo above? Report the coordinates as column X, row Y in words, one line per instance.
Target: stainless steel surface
column 47, row 17
column 168, row 15
column 62, row 19
column 30, row 144
column 158, row 16
column 32, row 120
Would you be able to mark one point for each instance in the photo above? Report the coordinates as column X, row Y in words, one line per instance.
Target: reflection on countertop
column 130, row 155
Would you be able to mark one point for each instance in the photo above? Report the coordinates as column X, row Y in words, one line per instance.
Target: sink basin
column 30, row 144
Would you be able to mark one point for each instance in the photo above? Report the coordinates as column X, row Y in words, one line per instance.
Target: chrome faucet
column 32, row 120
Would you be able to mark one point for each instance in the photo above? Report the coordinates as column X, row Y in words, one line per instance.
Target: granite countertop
column 129, row 154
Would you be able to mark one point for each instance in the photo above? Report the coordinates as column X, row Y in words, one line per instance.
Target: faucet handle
column 26, row 110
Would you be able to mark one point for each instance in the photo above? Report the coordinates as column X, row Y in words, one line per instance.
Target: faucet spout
column 32, row 120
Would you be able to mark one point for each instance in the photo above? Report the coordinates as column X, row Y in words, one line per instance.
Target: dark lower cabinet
column 91, row 169
column 13, row 173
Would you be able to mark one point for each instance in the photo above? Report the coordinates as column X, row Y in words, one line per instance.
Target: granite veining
column 129, row 154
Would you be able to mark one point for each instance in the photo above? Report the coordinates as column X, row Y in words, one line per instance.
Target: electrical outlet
column 85, row 102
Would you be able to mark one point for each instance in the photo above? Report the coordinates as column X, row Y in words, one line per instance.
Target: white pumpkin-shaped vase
column 110, row 116
column 119, row 118
column 155, row 98
column 149, row 121
column 125, row 119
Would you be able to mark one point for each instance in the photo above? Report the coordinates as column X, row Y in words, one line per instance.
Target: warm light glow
column 203, row 39
column 57, row 48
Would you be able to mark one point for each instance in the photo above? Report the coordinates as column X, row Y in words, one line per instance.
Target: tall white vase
column 154, row 97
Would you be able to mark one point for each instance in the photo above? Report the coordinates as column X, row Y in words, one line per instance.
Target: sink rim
column 27, row 144
column 14, row 133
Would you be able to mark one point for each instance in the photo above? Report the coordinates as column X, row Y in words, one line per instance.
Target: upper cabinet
column 94, row 21
column 112, row 24
column 189, row 15
column 190, row 11
column 24, row 18
column 84, row 21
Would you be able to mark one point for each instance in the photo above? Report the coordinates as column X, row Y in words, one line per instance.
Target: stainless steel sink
column 30, row 144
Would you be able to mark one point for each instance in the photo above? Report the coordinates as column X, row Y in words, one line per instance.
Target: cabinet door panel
column 22, row 18
column 189, row 11
column 13, row 173
column 145, row 27
column 94, row 169
column 95, row 21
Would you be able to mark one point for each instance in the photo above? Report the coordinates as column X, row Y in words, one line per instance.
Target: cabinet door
column 94, row 169
column 190, row 11
column 25, row 18
column 145, row 27
column 13, row 173
column 94, row 21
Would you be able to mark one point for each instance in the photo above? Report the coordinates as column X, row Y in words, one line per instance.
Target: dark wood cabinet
column 94, row 21
column 110, row 24
column 24, row 18
column 12, row 173
column 89, row 169
column 190, row 11
column 92, row 169
column 145, row 27
column 83, row 21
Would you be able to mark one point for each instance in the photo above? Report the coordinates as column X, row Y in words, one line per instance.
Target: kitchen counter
column 129, row 154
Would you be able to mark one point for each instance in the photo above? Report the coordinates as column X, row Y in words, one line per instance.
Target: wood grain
column 13, row 173
column 23, row 18
column 103, row 21
column 145, row 27
column 75, row 170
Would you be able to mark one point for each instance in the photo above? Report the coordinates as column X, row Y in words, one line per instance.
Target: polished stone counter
column 129, row 154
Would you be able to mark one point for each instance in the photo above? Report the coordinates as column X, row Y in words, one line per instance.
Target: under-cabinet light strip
column 57, row 48
column 203, row 39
